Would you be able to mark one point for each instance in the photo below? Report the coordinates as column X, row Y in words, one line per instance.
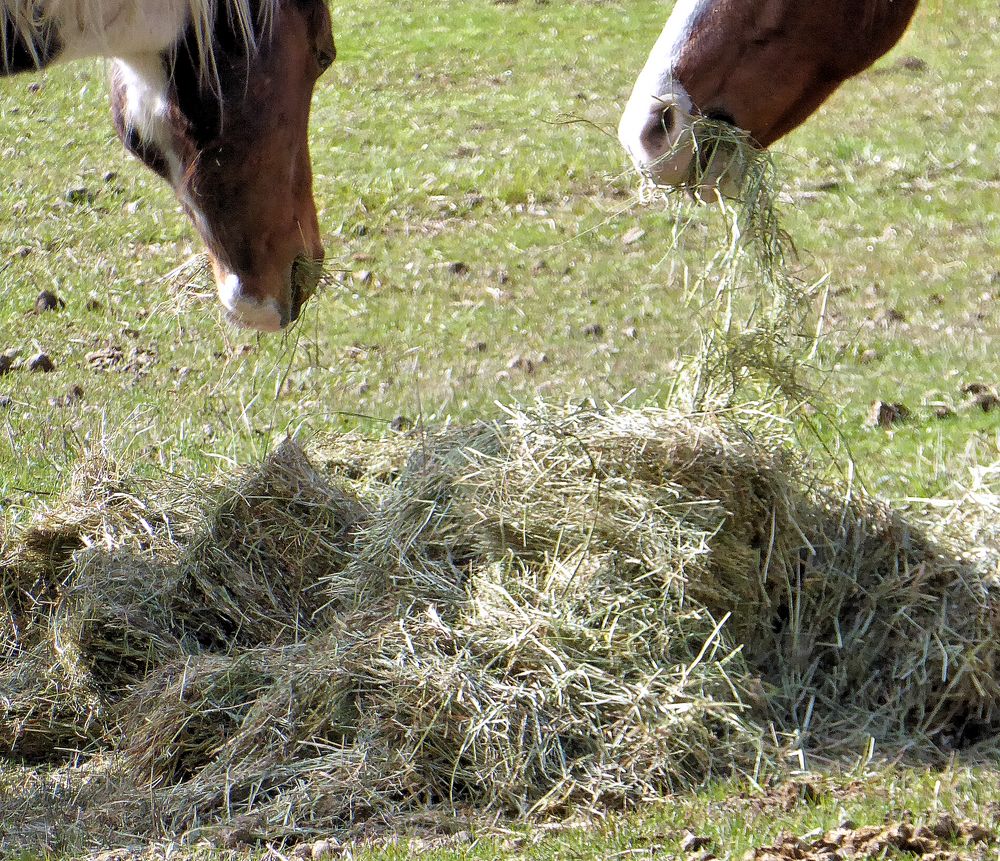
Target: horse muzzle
column 247, row 311
column 656, row 133
column 673, row 145
column 250, row 306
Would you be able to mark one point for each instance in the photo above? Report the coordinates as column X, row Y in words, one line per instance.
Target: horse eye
column 324, row 59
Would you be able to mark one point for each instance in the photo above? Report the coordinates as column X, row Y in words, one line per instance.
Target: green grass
column 732, row 817
column 735, row 818
column 440, row 136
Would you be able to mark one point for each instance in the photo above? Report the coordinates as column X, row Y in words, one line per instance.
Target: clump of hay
column 111, row 583
column 566, row 607
column 756, row 317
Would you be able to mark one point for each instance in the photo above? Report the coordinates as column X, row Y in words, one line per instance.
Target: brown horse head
column 761, row 65
column 223, row 118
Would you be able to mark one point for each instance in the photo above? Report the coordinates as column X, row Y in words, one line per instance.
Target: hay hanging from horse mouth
column 567, row 607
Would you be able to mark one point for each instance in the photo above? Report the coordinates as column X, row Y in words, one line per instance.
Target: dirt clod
column 693, row 842
column 42, row 363
column 912, row 64
column 973, row 832
column 48, row 301
column 975, row 389
column 79, row 194
column 400, row 424
column 525, row 364
column 945, row 827
column 884, row 414
column 877, row 841
column 104, row 358
column 74, row 395
column 982, row 395
column 987, row 402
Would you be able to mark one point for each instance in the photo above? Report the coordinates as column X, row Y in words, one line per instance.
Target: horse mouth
column 297, row 301
column 304, row 277
column 719, row 161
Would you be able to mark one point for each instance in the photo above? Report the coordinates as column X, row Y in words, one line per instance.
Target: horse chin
column 245, row 311
column 260, row 318
column 718, row 168
column 672, row 169
column 706, row 177
column 698, row 164
column 716, row 178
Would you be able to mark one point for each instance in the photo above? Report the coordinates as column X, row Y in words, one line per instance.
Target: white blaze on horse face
column 655, row 128
column 147, row 109
column 263, row 315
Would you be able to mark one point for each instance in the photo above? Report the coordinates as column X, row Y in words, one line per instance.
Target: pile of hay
column 565, row 607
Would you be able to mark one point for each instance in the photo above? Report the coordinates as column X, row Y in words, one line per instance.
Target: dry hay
column 565, row 607
column 756, row 318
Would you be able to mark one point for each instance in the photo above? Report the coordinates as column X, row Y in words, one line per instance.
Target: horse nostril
column 721, row 116
column 667, row 119
column 656, row 136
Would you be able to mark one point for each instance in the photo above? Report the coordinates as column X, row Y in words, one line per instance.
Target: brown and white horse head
column 226, row 125
column 761, row 65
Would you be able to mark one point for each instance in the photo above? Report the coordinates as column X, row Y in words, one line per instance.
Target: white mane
column 121, row 28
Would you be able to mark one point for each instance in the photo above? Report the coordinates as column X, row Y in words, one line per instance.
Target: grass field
column 435, row 142
column 732, row 820
column 481, row 134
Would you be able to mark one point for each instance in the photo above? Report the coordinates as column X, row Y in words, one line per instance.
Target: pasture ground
column 482, row 239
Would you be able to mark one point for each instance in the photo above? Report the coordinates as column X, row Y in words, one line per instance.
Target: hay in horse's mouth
column 297, row 300
column 305, row 277
column 723, row 154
